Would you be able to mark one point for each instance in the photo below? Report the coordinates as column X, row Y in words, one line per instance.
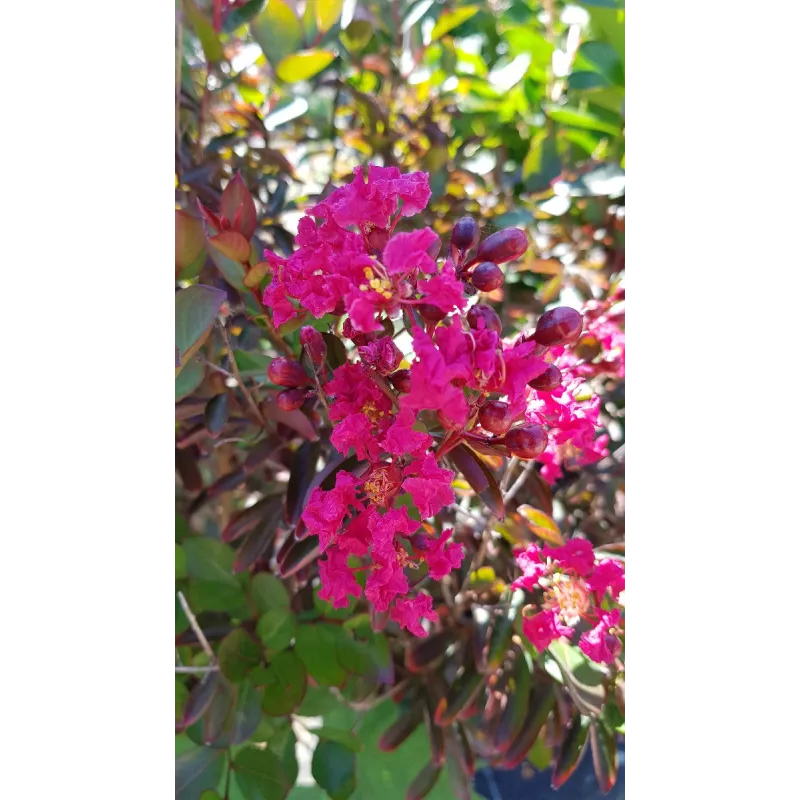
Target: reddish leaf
column 231, row 244
column 189, row 240
column 238, row 202
column 479, row 477
column 296, row 420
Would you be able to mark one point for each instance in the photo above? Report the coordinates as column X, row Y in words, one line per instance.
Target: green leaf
column 565, row 115
column 215, row 596
column 450, row 20
column 180, row 562
column 318, row 701
column 189, row 378
column 269, row 593
column 345, row 738
column 541, row 525
column 205, row 32
column 603, row 58
column 584, row 680
column 196, row 308
column 284, row 684
column 316, row 646
column 242, row 15
column 277, row 30
column 276, row 629
column 260, row 774
column 181, row 695
column 210, row 560
column 327, row 13
column 304, row 65
column 334, row 769
column 197, row 770
column 238, row 654
column 190, row 240
column 231, row 270
column 358, row 34
column 542, row 164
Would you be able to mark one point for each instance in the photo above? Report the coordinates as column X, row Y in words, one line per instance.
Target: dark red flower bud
column 431, row 313
column 558, row 327
column 505, row 245
column 482, row 316
column 339, row 309
column 465, row 234
column 290, row 399
column 527, row 441
column 287, row 372
column 357, row 337
column 550, row 379
column 494, row 417
column 487, row 276
column 312, row 340
column 401, row 380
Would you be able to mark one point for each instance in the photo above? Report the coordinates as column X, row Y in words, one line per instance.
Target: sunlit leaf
column 451, row 19
column 277, row 30
column 541, row 524
column 304, row 65
column 196, row 308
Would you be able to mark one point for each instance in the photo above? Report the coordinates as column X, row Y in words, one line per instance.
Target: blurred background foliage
column 516, row 109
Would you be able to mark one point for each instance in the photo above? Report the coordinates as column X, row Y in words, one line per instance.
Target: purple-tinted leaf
column 479, row 477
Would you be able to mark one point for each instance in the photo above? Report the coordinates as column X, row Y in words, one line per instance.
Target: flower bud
column 465, row 234
column 558, row 327
column 487, row 276
column 526, row 442
column 287, row 372
column 401, row 380
column 550, row 379
column 382, row 355
column 312, row 340
column 431, row 313
column 482, row 316
column 357, row 337
column 502, row 246
column 494, row 417
column 290, row 399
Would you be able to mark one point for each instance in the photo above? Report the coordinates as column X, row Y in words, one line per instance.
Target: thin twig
column 468, row 514
column 197, row 670
column 196, row 628
column 506, row 479
column 518, row 484
column 245, row 391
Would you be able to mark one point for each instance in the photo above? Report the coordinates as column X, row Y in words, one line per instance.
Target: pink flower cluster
column 337, row 270
column 572, row 587
column 351, row 261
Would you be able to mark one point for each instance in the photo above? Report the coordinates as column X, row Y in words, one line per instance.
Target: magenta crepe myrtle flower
column 326, row 510
column 601, row 643
column 429, row 485
column 576, row 555
column 544, row 628
column 443, row 556
column 409, row 613
column 608, row 575
column 383, row 355
column 337, row 579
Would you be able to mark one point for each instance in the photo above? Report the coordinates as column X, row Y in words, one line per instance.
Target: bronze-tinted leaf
column 541, row 524
column 402, row 727
column 247, row 519
column 216, row 413
column 424, row 781
column 605, row 757
column 199, row 699
column 540, row 702
column 188, row 469
column 256, row 544
column 434, row 731
column 479, row 477
column 481, row 626
column 465, row 751
column 517, row 693
column 303, row 469
column 296, row 420
column 459, row 778
column 337, row 354
column 301, row 554
column 426, row 653
column 572, row 750
column 226, row 483
column 463, row 690
column 238, row 202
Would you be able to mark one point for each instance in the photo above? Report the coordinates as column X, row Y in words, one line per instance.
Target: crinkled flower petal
column 337, row 579
column 409, row 613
